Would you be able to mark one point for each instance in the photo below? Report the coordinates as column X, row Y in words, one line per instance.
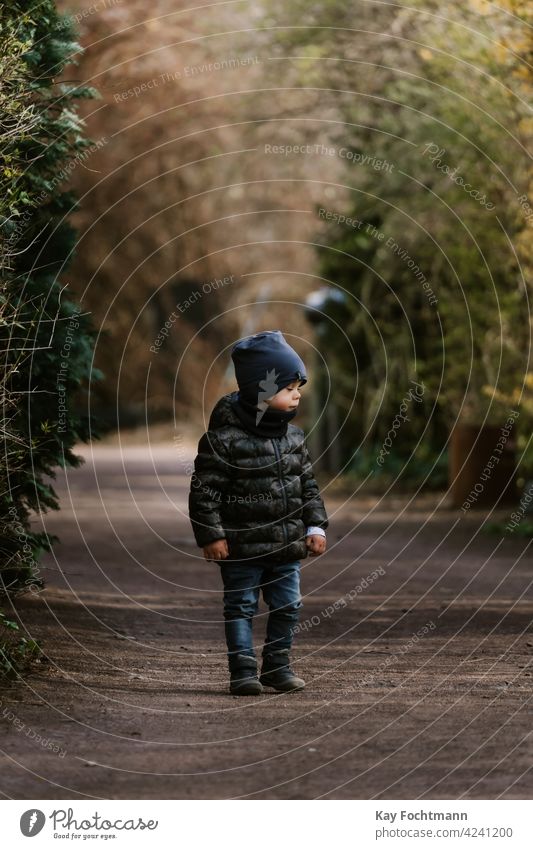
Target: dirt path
column 134, row 698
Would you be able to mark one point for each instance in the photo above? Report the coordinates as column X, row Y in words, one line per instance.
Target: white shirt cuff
column 312, row 530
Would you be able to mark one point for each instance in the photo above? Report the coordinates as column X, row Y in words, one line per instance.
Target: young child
column 255, row 507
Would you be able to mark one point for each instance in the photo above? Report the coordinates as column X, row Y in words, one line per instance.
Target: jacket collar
column 272, row 422
column 230, row 410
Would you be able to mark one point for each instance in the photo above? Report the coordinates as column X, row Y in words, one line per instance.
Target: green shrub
column 46, row 341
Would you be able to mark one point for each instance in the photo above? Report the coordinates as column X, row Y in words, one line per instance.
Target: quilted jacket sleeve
column 314, row 512
column 209, row 484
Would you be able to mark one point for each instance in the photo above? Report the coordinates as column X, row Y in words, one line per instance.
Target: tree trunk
column 482, row 468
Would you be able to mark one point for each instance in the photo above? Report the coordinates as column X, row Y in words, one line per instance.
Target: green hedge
column 46, row 340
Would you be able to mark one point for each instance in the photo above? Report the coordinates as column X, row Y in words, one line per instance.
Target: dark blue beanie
column 265, row 358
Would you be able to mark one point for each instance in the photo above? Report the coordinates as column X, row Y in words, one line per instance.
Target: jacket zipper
column 285, row 500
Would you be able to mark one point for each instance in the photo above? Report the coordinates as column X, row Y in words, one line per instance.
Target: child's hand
column 316, row 544
column 217, row 550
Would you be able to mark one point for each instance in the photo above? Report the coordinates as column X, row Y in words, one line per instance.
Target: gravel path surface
column 419, row 684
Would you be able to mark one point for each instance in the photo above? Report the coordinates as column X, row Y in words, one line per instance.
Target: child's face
column 287, row 398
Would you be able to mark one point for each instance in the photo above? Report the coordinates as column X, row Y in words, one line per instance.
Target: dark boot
column 244, row 680
column 277, row 673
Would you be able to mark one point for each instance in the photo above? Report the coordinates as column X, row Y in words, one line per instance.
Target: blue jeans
column 243, row 580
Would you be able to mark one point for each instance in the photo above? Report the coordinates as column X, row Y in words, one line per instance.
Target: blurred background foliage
column 437, row 98
column 187, row 190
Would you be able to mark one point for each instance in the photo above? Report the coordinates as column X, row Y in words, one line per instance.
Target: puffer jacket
column 257, row 492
